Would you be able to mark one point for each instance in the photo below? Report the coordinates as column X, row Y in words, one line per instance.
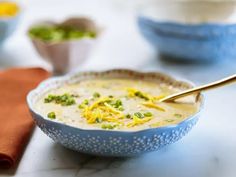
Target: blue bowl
column 194, row 42
column 110, row 142
column 7, row 27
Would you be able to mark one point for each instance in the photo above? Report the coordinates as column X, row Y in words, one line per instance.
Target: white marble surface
column 209, row 150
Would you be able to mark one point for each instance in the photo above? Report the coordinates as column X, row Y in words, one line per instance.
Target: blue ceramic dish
column 8, row 26
column 110, row 142
column 194, row 42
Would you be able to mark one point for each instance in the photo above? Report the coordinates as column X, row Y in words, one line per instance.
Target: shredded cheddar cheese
column 132, row 92
column 153, row 105
column 160, row 97
column 138, row 121
column 100, row 109
column 8, row 9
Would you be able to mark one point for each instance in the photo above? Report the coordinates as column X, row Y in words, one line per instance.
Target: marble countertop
column 209, row 150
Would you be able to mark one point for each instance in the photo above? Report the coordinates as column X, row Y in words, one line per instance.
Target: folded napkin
column 15, row 122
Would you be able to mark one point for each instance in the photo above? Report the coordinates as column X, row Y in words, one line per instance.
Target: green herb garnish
column 64, row 100
column 178, row 115
column 58, row 33
column 147, row 114
column 51, row 115
column 98, row 120
column 139, row 115
column 96, row 95
column 108, row 126
column 49, row 99
column 86, row 102
column 121, row 108
column 141, row 95
column 83, row 104
column 129, row 116
column 116, row 104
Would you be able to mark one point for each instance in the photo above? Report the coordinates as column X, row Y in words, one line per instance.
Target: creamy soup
column 114, row 104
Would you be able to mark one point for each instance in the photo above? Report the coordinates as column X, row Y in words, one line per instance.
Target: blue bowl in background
column 8, row 26
column 190, row 30
column 193, row 42
column 111, row 142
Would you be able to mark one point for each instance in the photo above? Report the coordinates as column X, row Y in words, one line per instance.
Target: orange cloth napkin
column 16, row 123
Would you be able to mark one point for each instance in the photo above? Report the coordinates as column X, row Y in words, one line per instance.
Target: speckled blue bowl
column 193, row 42
column 110, row 142
column 8, row 26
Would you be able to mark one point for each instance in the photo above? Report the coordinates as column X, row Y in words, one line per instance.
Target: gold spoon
column 209, row 86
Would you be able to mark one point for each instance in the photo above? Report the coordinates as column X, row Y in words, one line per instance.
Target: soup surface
column 114, row 104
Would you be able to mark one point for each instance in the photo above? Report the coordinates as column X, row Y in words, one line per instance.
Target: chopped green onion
column 96, row 95
column 57, row 33
column 86, row 102
column 178, row 115
column 98, row 120
column 129, row 116
column 147, row 114
column 139, row 115
column 51, row 115
column 121, row 108
column 141, row 95
column 83, row 104
column 64, row 100
column 116, row 104
column 49, row 99
column 108, row 126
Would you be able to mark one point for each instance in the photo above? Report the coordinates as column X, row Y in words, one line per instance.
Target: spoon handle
column 209, row 86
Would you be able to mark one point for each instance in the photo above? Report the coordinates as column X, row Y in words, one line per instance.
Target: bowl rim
column 198, row 31
column 43, row 84
column 98, row 29
column 181, row 5
column 187, row 25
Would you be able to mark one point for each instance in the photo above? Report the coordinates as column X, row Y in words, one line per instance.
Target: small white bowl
column 67, row 55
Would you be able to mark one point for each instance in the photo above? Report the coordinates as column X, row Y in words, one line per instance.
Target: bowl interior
column 190, row 12
column 80, row 23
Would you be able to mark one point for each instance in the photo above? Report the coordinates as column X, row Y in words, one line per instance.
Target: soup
column 114, row 104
